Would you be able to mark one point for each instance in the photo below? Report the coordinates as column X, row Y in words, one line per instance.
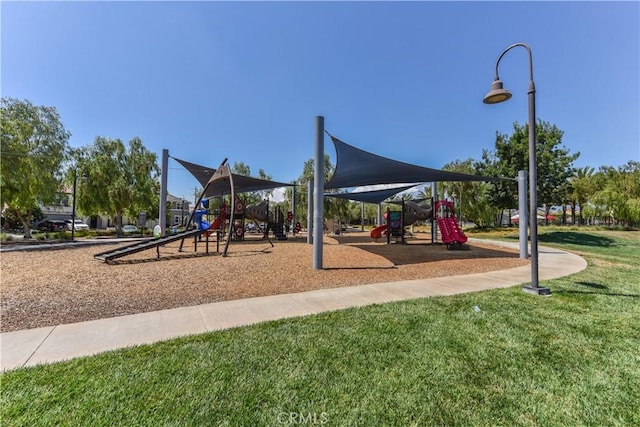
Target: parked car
column 53, row 225
column 130, row 228
column 79, row 225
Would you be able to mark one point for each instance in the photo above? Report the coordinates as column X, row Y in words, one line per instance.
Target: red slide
column 217, row 222
column 213, row 227
column 376, row 233
column 451, row 232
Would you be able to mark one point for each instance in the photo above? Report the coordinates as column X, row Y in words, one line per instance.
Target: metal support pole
column 522, row 213
column 318, row 190
column 434, row 223
column 362, row 217
column 310, row 212
column 293, row 207
column 73, row 208
column 162, row 221
column 533, row 193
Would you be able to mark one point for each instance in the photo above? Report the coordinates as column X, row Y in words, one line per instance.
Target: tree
column 582, row 188
column 618, row 197
column 511, row 154
column 117, row 181
column 502, row 194
column 330, row 205
column 425, row 192
column 472, row 195
column 34, row 147
column 308, row 170
column 13, row 222
column 240, row 168
column 253, row 197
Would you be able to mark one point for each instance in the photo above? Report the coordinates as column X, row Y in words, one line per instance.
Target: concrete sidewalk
column 56, row 343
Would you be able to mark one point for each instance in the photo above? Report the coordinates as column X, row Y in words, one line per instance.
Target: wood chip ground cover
column 51, row 287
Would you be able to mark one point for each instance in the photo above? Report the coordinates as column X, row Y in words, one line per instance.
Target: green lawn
column 569, row 359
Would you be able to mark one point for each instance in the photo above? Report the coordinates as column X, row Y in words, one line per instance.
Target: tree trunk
column 117, row 222
column 580, row 218
column 26, row 226
column 27, row 232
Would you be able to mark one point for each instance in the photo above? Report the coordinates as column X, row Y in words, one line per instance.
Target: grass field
column 569, row 359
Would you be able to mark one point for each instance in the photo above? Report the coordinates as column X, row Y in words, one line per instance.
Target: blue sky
column 245, row 80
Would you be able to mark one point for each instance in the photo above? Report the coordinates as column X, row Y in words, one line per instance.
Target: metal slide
column 143, row 246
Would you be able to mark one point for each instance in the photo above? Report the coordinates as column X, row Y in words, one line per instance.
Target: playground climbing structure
column 217, row 182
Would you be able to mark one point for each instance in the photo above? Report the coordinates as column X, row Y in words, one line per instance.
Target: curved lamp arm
column 526, row 46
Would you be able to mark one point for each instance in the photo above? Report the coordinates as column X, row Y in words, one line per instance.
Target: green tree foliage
column 425, row 192
column 116, row 181
column 308, row 170
column 617, row 198
column 34, row 146
column 511, row 154
column 582, row 188
column 254, row 197
column 332, row 207
column 240, row 168
column 473, row 196
column 498, row 195
column 12, row 220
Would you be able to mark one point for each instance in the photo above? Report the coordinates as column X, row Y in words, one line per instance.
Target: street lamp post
column 496, row 95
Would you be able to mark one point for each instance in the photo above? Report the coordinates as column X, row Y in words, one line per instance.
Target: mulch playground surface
column 57, row 286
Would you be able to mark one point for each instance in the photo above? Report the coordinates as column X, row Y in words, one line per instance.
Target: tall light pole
column 496, row 95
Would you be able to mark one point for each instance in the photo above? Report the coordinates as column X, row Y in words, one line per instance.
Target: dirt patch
column 51, row 287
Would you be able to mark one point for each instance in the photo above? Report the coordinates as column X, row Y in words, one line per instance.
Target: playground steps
column 112, row 254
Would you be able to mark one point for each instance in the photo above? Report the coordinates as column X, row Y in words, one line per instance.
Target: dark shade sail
column 201, row 173
column 243, row 184
column 356, row 167
column 373, row 196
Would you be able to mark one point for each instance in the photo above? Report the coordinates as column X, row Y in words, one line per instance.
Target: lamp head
column 497, row 93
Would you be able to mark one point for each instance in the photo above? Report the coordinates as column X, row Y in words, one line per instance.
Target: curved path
column 56, row 343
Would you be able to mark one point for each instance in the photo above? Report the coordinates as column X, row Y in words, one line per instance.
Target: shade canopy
column 221, row 187
column 356, row 167
column 373, row 196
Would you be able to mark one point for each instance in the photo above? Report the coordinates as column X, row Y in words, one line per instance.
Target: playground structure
column 396, row 221
column 411, row 212
column 228, row 225
column 258, row 214
column 217, row 225
column 362, row 169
